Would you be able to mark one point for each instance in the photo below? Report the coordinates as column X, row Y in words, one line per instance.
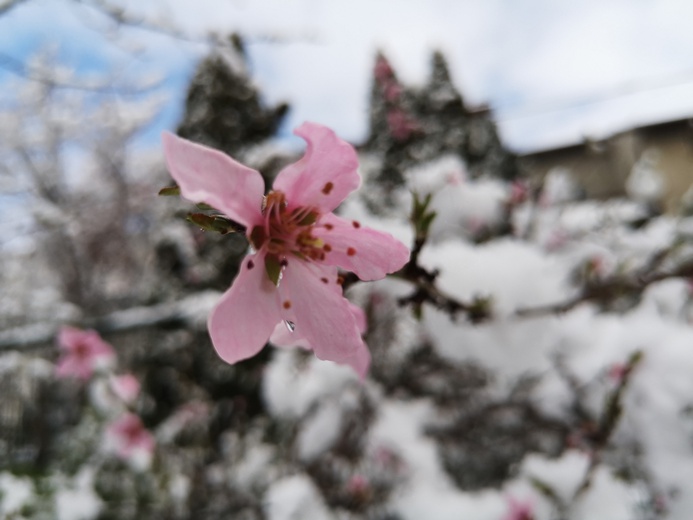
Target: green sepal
column 273, row 268
column 169, row 191
column 421, row 217
column 258, row 237
column 215, row 223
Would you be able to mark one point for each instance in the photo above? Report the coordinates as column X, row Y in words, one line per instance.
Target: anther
column 327, row 247
column 250, row 264
column 327, row 188
column 286, row 304
column 324, row 280
column 283, row 262
column 356, row 224
column 329, row 227
column 340, row 280
column 351, row 251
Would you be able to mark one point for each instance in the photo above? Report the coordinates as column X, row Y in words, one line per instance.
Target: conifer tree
column 223, row 108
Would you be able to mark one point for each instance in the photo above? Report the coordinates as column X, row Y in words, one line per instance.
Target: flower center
column 286, row 231
column 81, row 351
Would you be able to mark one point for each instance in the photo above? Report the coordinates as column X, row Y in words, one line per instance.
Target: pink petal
column 320, row 313
column 125, row 386
column 70, row 366
column 209, row 176
column 369, row 253
column 360, row 361
column 325, row 175
column 69, row 337
column 247, row 313
column 283, row 337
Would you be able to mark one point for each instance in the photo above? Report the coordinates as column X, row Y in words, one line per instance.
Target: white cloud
column 520, row 56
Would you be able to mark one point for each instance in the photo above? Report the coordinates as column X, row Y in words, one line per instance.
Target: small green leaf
column 258, row 237
column 204, row 221
column 217, row 223
column 273, row 268
column 169, row 191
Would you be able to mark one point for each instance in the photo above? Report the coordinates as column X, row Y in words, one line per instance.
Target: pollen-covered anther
column 351, row 251
column 286, row 304
column 327, row 188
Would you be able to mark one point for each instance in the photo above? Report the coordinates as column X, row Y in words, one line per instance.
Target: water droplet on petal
column 290, row 325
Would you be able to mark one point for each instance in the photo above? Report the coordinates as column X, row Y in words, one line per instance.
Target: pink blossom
column 383, row 70
column 126, row 387
column 128, row 437
column 400, row 124
column 519, row 192
column 392, row 92
column 83, row 351
column 519, row 510
column 357, row 485
column 291, row 277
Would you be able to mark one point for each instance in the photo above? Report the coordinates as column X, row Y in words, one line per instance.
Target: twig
column 180, row 312
column 612, row 288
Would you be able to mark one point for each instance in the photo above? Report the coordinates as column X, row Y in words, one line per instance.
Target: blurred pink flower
column 130, row 440
column 125, row 386
column 519, row 510
column 298, row 245
column 383, row 70
column 400, row 124
column 83, row 351
column 358, row 485
column 519, row 192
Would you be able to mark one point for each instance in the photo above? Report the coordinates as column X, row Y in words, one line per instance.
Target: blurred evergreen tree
column 410, row 126
column 223, row 108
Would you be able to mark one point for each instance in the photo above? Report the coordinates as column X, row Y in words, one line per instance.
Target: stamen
column 324, row 280
column 327, row 188
column 351, row 251
column 286, row 304
column 356, row 224
column 250, row 264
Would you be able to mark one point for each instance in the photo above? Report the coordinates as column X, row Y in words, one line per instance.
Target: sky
column 554, row 72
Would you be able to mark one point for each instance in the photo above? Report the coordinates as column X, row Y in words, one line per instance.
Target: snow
column 296, row 498
column 428, row 491
column 77, row 500
column 16, row 491
column 290, row 390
